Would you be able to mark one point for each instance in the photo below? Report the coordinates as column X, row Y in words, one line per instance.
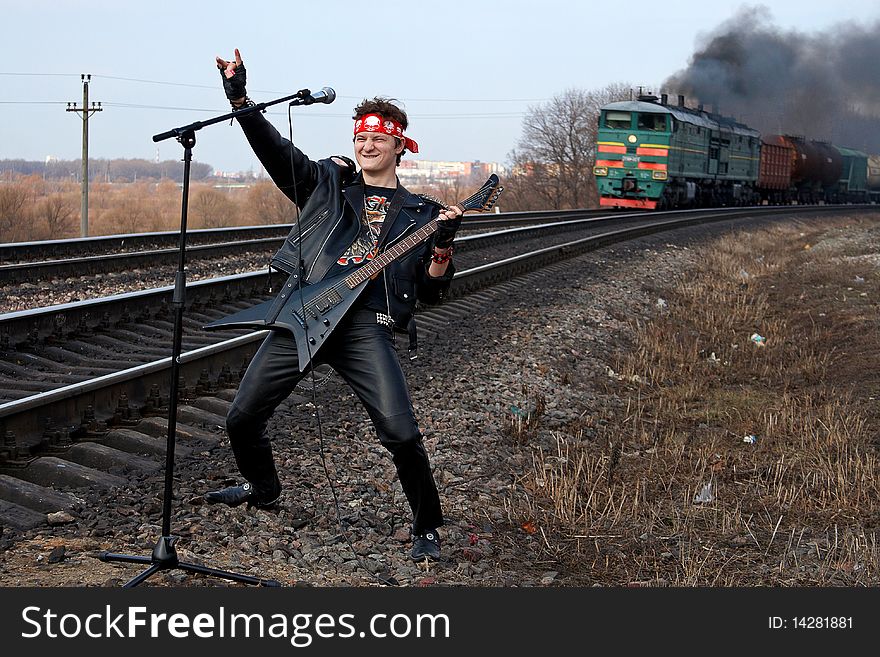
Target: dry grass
column 800, row 506
column 36, row 209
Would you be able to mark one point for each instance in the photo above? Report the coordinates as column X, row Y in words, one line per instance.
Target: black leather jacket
column 331, row 200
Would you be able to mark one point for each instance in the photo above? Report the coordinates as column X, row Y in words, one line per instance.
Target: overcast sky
column 465, row 71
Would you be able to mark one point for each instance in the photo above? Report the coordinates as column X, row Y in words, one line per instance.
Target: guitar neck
column 388, row 256
column 482, row 200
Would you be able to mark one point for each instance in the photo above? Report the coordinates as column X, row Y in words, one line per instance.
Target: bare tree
column 130, row 214
column 454, row 189
column 15, row 211
column 266, row 204
column 211, row 208
column 57, row 211
column 532, row 186
column 552, row 167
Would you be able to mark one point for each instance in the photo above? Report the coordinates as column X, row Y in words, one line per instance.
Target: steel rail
column 66, row 409
column 82, row 316
column 42, row 250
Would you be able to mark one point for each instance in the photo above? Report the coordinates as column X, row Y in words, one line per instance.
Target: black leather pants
column 362, row 352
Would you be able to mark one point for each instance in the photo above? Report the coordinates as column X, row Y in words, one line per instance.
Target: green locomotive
column 654, row 155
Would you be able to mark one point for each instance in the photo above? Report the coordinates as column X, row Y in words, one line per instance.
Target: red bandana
column 376, row 123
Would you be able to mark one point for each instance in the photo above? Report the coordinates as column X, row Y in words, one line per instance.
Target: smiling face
column 377, row 152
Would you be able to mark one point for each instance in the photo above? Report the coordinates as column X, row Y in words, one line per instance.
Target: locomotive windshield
column 618, row 120
column 652, row 121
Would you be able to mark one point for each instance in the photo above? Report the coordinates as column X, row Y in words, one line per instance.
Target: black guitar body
column 251, row 318
column 310, row 316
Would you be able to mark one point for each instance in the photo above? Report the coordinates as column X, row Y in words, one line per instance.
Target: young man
column 346, row 217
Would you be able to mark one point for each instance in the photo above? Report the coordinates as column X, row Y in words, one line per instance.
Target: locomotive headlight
column 632, row 139
column 600, row 171
column 658, row 175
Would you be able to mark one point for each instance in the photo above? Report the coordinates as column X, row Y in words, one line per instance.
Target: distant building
column 430, row 172
column 411, row 172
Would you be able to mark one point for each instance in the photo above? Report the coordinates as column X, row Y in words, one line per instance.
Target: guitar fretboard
column 387, row 257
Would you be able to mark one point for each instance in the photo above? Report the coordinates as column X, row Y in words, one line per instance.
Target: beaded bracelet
column 441, row 258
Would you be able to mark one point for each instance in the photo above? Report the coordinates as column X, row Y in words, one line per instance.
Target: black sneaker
column 236, row 495
column 426, row 546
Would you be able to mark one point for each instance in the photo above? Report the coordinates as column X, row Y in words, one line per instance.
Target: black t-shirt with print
column 376, row 203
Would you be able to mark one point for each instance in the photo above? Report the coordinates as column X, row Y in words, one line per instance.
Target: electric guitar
column 313, row 311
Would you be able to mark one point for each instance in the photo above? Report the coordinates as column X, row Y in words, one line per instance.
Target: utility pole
column 86, row 112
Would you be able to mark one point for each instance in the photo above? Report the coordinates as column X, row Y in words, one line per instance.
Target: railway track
column 84, row 385
column 43, row 329
column 47, row 260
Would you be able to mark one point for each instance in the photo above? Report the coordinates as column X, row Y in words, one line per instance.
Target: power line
column 480, row 115
column 162, row 107
column 41, row 74
column 270, row 91
column 171, row 84
column 415, row 115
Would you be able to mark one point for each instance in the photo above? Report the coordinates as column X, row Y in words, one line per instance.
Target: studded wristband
column 441, row 258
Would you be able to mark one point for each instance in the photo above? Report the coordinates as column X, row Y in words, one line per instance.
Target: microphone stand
column 164, row 556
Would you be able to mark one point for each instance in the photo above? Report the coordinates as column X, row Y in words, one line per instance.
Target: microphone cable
column 385, row 580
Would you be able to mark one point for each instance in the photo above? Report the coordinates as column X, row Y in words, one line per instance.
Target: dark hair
column 387, row 108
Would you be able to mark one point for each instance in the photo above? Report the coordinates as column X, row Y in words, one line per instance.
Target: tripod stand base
column 165, row 558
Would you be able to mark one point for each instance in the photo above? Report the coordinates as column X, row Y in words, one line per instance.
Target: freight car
column 873, row 178
column 774, row 169
column 853, row 184
column 654, row 155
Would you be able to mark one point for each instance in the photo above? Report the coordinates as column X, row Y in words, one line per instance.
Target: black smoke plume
column 823, row 85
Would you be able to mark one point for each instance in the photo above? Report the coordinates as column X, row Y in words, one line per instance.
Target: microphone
column 325, row 95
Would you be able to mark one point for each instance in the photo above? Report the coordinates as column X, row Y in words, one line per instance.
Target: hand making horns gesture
column 229, row 67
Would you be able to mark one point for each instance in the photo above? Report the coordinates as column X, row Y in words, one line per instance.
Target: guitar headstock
column 484, row 198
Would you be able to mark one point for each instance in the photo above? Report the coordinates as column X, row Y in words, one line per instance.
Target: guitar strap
column 391, row 215
column 394, row 209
